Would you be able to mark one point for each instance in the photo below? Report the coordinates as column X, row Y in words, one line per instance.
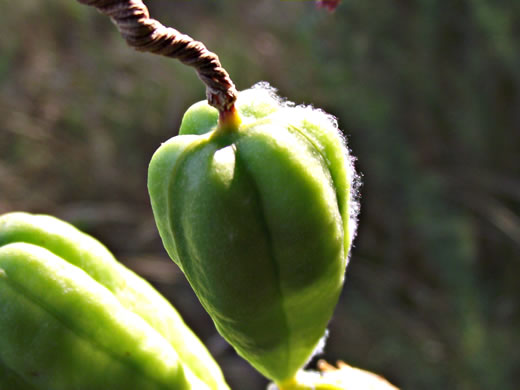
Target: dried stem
column 146, row 34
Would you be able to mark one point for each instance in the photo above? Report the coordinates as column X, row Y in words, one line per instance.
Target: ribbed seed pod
column 257, row 212
column 74, row 318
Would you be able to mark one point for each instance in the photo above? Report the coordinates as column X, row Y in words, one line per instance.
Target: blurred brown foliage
column 428, row 93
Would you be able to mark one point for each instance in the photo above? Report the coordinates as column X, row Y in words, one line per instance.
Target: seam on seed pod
column 354, row 178
column 275, row 265
column 36, row 300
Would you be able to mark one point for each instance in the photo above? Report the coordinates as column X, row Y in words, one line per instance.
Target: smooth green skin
column 80, row 251
column 63, row 330
column 257, row 218
column 11, row 380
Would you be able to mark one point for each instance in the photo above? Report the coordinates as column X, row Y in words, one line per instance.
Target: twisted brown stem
column 146, row 34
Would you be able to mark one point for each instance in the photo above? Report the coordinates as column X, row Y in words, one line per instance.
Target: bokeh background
column 428, row 93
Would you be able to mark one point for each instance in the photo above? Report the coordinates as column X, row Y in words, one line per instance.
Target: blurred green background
column 428, row 93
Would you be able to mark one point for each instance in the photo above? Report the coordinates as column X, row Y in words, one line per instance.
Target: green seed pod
column 257, row 212
column 74, row 317
column 11, row 380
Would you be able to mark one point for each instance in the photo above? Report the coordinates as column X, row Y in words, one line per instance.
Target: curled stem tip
column 146, row 34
